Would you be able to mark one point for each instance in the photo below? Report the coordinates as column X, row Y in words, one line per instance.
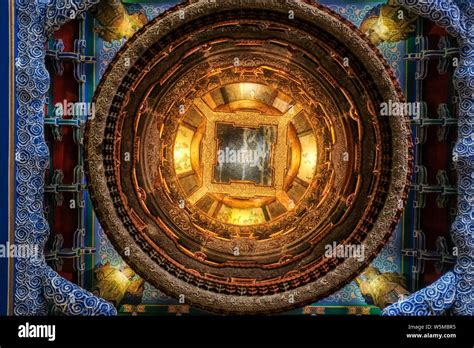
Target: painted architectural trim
column 37, row 286
column 454, row 291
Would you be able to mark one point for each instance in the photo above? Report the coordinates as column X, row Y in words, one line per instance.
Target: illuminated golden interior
column 308, row 157
column 182, row 150
column 282, row 139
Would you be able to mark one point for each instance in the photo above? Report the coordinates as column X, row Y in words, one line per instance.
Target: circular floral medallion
column 235, row 143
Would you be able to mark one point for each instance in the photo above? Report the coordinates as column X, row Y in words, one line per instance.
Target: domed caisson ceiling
column 234, row 140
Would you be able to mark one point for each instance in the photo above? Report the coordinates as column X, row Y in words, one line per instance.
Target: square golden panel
column 245, row 120
column 244, row 154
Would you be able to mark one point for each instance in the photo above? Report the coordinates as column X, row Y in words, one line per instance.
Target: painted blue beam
column 37, row 286
column 4, row 148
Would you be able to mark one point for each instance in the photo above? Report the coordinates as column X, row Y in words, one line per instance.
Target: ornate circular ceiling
column 234, row 141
